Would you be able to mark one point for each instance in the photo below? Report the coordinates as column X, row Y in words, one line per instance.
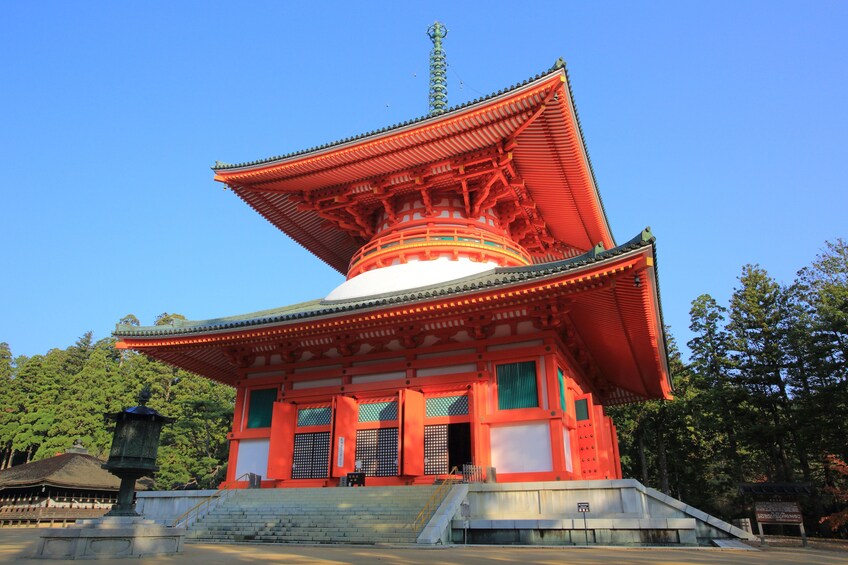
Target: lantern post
column 135, row 445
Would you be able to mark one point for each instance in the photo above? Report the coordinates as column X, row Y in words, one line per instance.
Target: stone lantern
column 121, row 532
column 134, row 448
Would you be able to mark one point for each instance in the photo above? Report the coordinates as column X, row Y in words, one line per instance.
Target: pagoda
column 487, row 317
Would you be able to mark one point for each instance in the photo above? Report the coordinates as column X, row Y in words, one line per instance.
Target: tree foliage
column 50, row 401
column 764, row 397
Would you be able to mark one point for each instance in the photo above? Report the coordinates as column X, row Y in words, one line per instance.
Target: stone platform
column 110, row 537
column 620, row 512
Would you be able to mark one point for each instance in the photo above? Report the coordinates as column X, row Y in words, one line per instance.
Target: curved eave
column 60, row 484
column 621, row 326
column 550, row 155
column 567, row 166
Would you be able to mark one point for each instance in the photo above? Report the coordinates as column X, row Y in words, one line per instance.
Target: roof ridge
column 558, row 66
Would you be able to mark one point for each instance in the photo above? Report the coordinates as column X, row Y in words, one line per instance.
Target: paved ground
column 18, row 544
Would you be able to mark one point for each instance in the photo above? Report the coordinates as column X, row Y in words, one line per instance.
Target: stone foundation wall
column 622, row 512
column 166, row 506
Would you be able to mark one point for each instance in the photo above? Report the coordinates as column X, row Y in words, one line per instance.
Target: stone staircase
column 315, row 515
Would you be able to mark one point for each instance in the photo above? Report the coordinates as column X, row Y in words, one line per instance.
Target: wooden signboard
column 778, row 512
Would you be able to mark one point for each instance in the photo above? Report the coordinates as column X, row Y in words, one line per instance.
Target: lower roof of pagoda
column 609, row 297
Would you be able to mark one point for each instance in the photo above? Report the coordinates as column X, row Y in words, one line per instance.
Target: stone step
column 374, row 527
column 301, row 538
column 390, row 518
column 304, row 533
column 321, row 517
column 292, row 509
column 240, row 505
column 356, row 516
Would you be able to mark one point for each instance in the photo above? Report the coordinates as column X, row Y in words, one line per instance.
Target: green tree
column 821, row 292
column 165, row 319
column 9, row 404
column 757, row 343
column 49, row 401
column 720, row 401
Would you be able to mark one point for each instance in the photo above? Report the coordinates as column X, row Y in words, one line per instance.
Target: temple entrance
column 459, row 445
column 446, row 446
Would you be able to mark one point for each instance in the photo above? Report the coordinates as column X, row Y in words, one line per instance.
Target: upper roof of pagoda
column 531, row 128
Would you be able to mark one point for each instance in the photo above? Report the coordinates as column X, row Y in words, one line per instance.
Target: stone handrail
column 185, row 517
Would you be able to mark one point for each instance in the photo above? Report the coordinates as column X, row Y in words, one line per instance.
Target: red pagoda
column 488, row 316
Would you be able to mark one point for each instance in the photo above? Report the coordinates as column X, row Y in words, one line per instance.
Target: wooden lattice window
column 311, row 455
column 377, row 450
column 581, row 409
column 517, row 386
column 561, row 380
column 260, row 406
column 436, row 450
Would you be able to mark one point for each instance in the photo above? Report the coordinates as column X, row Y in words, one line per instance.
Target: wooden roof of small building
column 67, row 470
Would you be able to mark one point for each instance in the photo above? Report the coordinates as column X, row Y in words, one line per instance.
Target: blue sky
column 722, row 125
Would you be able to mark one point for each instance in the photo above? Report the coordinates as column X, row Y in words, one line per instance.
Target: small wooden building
column 61, row 489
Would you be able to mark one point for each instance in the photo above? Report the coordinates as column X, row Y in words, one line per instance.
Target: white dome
column 414, row 274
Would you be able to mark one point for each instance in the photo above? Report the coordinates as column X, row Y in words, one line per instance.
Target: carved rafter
column 480, row 326
column 288, row 351
column 466, row 197
column 389, row 208
column 428, row 202
column 484, row 179
column 240, row 357
column 410, row 336
column 550, row 315
column 347, row 344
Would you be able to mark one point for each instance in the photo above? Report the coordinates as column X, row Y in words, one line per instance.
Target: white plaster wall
column 378, row 377
column 414, row 274
column 446, row 370
column 318, row 369
column 566, row 441
column 316, row 384
column 252, row 457
column 265, row 374
column 521, row 448
column 378, row 361
column 450, row 353
column 515, row 345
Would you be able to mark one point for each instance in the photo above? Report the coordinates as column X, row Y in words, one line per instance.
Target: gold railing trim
column 439, row 495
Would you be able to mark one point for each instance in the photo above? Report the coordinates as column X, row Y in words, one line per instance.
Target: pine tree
column 8, row 405
column 721, row 401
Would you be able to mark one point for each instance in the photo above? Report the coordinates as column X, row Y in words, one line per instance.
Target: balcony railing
column 438, row 240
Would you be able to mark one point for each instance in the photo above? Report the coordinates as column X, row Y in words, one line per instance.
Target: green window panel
column 447, row 406
column 517, row 386
column 581, row 409
column 260, row 406
column 378, row 411
column 561, row 379
column 314, row 416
